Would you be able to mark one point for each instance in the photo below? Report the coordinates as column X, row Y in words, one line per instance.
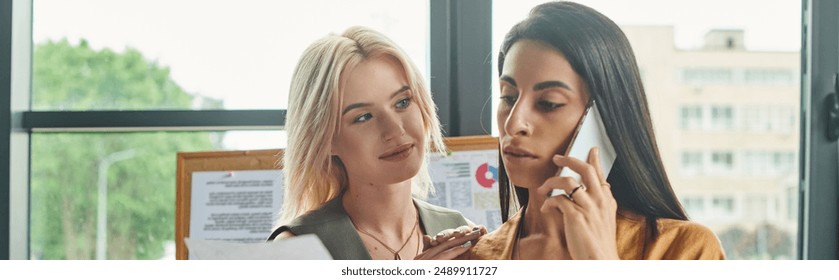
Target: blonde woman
column 360, row 122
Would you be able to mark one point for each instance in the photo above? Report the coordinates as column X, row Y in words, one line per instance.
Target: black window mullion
column 461, row 65
column 5, row 123
column 818, row 219
column 154, row 120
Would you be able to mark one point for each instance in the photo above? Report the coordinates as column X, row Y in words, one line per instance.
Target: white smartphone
column 590, row 133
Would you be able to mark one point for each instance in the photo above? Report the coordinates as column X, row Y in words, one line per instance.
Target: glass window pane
column 724, row 93
column 134, row 173
column 255, row 140
column 192, row 54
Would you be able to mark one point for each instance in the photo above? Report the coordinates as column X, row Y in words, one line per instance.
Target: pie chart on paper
column 486, row 175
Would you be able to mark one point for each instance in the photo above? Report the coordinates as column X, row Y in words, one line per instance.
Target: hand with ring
column 587, row 209
column 570, row 195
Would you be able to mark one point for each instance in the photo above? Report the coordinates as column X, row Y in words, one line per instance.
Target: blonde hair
column 312, row 175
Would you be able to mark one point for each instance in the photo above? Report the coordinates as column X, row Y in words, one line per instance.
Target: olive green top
column 333, row 226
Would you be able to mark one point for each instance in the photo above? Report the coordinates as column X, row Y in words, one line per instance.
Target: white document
column 236, row 206
column 467, row 181
column 303, row 247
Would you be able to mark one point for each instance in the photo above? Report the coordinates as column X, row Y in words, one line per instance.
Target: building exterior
column 727, row 121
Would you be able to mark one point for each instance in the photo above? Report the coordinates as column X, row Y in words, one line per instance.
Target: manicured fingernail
column 467, row 244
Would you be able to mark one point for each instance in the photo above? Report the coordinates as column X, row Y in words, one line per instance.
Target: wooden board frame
column 189, row 162
column 212, row 161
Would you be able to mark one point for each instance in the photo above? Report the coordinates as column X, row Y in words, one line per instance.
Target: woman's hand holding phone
column 588, row 211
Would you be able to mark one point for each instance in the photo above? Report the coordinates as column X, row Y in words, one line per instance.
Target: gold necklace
column 395, row 252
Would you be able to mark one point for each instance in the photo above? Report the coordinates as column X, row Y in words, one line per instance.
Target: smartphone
column 590, row 133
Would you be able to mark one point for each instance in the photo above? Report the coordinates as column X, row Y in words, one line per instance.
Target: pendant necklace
column 394, row 252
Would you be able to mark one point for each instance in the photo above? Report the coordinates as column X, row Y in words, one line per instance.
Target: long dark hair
column 599, row 52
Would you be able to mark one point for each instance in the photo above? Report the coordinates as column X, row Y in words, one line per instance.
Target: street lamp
column 102, row 206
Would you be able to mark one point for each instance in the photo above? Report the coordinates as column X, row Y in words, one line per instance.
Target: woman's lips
column 399, row 153
column 518, row 152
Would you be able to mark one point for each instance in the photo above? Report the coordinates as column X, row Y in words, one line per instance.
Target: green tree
column 65, row 166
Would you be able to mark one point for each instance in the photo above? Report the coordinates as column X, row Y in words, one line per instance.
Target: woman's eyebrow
column 359, row 105
column 401, row 90
column 353, row 106
column 551, row 84
column 509, row 80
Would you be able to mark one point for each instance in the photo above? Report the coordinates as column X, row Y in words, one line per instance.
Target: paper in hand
column 303, row 247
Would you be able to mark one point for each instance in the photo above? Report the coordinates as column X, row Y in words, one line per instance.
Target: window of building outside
column 723, row 206
column 756, row 163
column 704, row 77
column 691, row 117
column 692, row 163
column 722, row 162
column 755, row 118
column 758, row 207
column 784, row 118
column 768, row 118
column 694, row 204
column 726, row 86
column 783, row 161
column 722, row 117
column 769, row 77
column 775, row 163
column 144, row 55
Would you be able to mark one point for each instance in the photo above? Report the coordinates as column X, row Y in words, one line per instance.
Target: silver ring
column 569, row 195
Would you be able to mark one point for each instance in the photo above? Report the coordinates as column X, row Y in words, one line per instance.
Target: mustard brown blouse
column 677, row 240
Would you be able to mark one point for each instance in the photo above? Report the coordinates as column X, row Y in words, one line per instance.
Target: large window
column 238, row 55
column 165, row 55
column 132, row 173
column 228, row 55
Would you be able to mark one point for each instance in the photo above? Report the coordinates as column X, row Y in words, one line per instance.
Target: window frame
column 819, row 157
column 15, row 73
